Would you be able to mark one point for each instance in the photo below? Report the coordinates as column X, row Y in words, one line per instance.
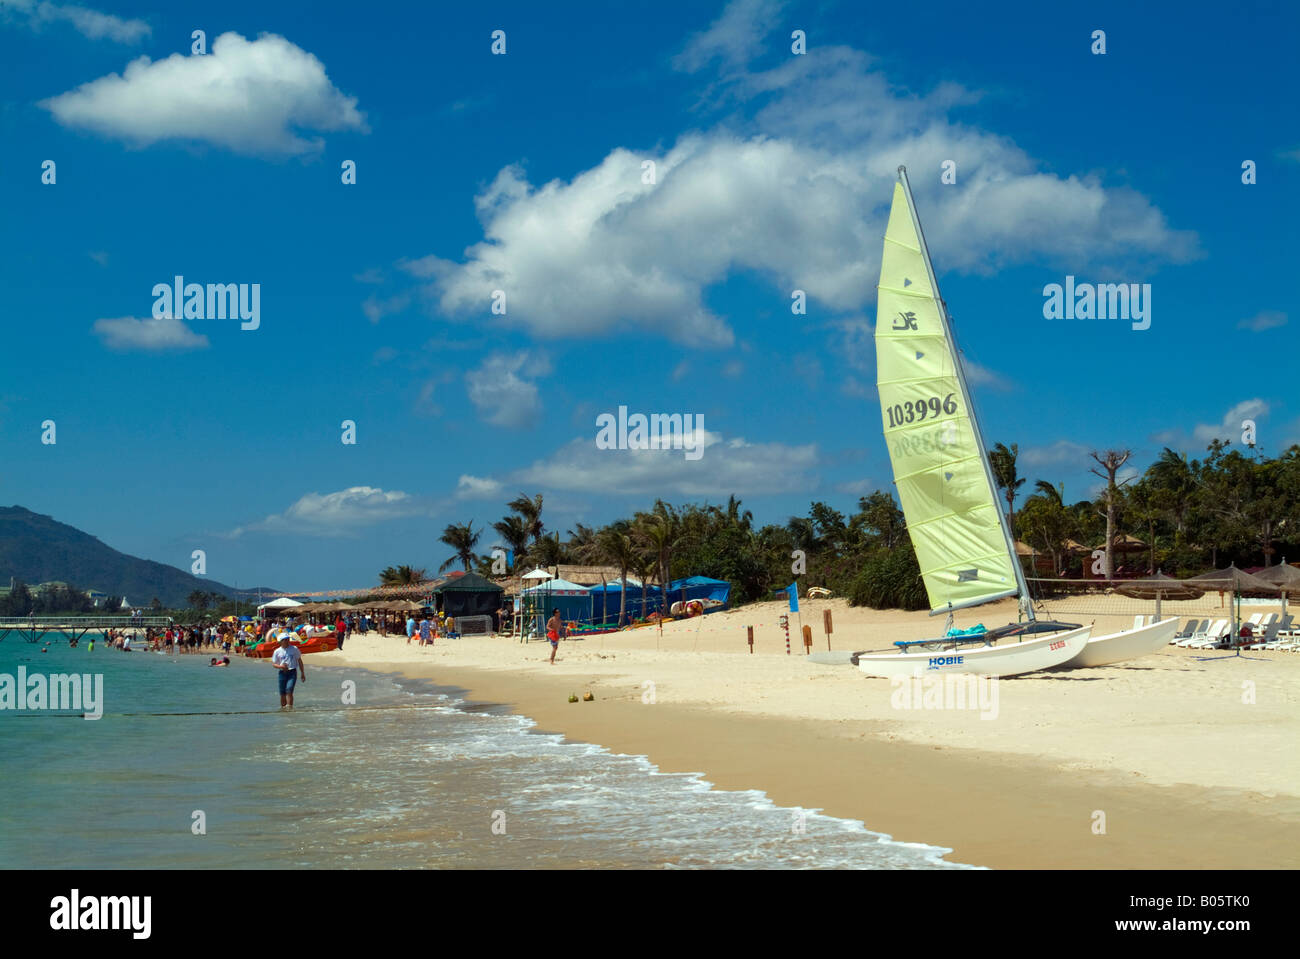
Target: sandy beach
column 1184, row 761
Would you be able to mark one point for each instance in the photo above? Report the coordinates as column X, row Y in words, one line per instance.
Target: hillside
column 39, row 549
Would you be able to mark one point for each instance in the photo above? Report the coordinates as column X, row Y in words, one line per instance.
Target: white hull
column 1009, row 659
column 1129, row 644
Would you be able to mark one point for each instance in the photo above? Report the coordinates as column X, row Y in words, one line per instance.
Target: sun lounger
column 1212, row 636
column 1201, row 632
column 1259, row 626
column 1187, row 632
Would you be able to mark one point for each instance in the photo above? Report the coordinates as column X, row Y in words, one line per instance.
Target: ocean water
column 411, row 776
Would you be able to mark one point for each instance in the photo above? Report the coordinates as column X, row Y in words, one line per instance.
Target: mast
column 965, row 393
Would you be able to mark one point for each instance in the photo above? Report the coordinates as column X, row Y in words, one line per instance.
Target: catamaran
column 945, row 483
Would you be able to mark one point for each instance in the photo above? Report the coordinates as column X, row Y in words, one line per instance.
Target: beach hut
column 572, row 600
column 469, row 595
column 606, row 600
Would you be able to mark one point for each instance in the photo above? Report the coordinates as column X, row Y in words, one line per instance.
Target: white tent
column 558, row 587
column 284, row 602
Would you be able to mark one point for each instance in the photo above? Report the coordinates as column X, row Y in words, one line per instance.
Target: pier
column 35, row 628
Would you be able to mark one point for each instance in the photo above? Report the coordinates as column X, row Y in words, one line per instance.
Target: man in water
column 287, row 660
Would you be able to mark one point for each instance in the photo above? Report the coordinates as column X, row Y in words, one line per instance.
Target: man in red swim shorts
column 553, row 629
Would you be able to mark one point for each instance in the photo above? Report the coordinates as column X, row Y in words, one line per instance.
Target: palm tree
column 548, row 552
column 1003, row 462
column 462, row 538
column 515, row 535
column 581, row 546
column 403, row 576
column 659, row 533
column 614, row 545
column 530, row 514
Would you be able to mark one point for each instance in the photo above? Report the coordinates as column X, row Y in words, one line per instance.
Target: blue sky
column 524, row 172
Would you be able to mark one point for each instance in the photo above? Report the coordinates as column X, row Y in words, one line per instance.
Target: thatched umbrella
column 1285, row 577
column 1237, row 582
column 1159, row 587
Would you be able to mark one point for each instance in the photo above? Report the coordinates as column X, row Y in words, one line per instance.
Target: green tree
column 403, row 576
column 462, row 538
column 530, row 514
column 1003, row 462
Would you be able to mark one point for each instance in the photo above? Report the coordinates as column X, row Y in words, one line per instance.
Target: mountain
column 39, row 549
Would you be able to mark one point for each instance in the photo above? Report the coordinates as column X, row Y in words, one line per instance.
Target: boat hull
column 1009, row 659
column 1128, row 644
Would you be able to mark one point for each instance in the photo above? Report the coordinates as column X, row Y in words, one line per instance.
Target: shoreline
column 993, row 808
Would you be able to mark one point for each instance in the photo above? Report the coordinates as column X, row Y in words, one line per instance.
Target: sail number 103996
column 916, row 411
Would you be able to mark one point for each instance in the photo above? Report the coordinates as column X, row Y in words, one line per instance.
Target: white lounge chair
column 1187, row 632
column 1209, row 639
column 1200, row 632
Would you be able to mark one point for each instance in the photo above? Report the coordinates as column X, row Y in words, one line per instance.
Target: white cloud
column 733, row 38
column 1264, row 320
column 1229, row 428
column 1060, row 453
column 977, row 375
column 501, row 396
column 862, row 487
column 476, row 487
column 128, row 334
column 89, row 23
column 340, row 513
column 725, row 466
column 376, row 308
column 252, row 97
column 796, row 190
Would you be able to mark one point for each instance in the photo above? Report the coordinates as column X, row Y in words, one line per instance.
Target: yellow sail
column 943, row 484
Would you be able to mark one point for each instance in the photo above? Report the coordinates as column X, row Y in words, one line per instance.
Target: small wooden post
column 807, row 640
column 751, row 639
column 826, row 624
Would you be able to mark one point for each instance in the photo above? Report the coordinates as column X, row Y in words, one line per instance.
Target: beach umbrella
column 1159, row 587
column 1237, row 582
column 1285, row 577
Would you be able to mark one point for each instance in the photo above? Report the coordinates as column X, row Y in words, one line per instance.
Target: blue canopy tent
column 605, row 602
column 699, row 587
column 573, row 601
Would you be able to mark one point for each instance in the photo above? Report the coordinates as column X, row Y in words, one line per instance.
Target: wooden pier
column 33, row 629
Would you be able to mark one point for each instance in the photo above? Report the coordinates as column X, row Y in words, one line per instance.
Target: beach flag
column 792, row 593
